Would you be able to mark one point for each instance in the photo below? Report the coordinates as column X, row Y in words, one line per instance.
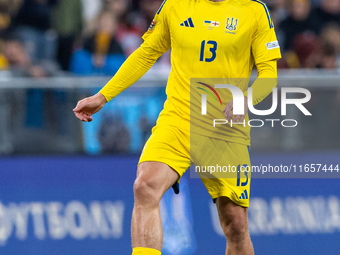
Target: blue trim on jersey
column 246, row 193
column 271, row 18
column 160, row 8
column 267, row 12
column 186, row 23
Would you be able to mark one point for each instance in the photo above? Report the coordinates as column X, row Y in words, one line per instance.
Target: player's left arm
column 266, row 52
column 262, row 87
column 265, row 82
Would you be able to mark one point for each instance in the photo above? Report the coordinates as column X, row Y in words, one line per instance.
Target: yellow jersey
column 209, row 40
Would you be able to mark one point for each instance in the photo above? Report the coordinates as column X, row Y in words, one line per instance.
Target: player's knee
column 235, row 229
column 145, row 193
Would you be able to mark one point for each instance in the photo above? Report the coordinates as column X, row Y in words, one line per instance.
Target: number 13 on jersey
column 213, row 48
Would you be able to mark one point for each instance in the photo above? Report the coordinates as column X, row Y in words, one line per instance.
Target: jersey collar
column 223, row 3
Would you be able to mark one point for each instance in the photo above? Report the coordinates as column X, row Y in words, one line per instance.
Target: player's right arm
column 156, row 42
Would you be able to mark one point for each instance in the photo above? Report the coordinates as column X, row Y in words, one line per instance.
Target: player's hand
column 89, row 106
column 229, row 115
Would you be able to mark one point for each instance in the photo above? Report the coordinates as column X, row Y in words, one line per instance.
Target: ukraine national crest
column 231, row 24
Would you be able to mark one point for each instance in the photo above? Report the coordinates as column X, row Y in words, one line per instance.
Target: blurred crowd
column 40, row 38
column 309, row 32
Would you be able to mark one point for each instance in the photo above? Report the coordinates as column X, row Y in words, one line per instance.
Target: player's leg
column 234, row 222
column 164, row 160
column 153, row 180
column 228, row 182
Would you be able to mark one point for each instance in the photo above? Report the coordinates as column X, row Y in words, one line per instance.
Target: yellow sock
column 145, row 251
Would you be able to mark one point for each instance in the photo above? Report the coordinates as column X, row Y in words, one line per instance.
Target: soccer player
column 208, row 39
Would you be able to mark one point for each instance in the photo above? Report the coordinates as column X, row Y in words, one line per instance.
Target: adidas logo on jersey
column 244, row 195
column 187, row 23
